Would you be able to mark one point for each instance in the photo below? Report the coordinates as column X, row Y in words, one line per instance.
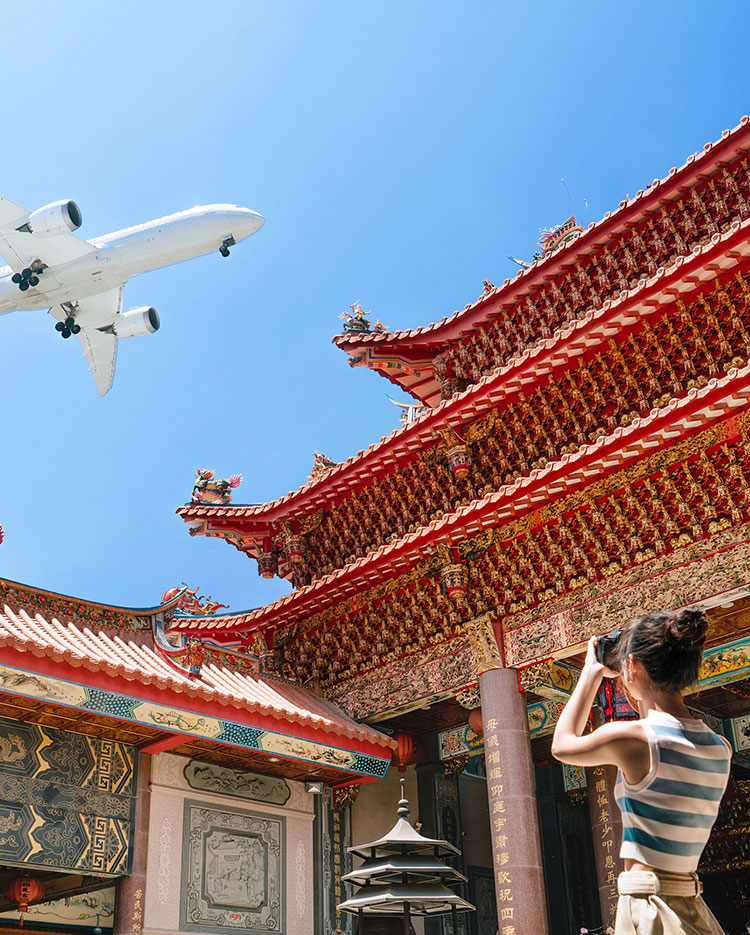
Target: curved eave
column 129, row 662
column 426, row 342
column 724, row 254
column 719, row 399
column 55, row 596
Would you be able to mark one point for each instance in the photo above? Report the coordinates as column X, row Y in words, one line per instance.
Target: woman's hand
column 593, row 664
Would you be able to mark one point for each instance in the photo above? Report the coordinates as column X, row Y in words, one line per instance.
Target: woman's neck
column 664, row 702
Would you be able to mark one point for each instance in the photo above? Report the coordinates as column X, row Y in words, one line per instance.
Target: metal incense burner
column 403, row 876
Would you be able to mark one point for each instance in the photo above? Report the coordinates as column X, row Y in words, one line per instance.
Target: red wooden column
column 514, row 821
column 131, row 891
column 606, row 831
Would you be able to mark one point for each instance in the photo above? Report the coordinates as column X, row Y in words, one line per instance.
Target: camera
column 606, row 649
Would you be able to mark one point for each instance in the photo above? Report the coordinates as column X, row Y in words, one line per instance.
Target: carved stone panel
column 233, row 876
column 236, row 782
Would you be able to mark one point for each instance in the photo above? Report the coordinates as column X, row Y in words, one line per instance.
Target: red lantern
column 459, row 460
column 456, row 581
column 475, row 722
column 294, row 549
column 267, row 563
column 24, row 891
column 408, row 751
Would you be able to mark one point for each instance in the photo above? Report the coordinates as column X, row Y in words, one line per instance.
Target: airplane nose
column 253, row 221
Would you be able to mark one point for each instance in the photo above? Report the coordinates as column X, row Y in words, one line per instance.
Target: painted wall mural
column 233, row 871
column 66, row 800
column 29, row 684
column 85, row 911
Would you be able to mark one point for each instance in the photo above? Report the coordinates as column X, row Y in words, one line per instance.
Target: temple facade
column 578, row 454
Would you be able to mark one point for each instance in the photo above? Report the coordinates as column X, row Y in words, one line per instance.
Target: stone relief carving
column 227, row 781
column 232, row 871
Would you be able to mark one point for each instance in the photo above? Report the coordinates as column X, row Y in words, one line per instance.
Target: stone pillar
column 514, row 820
column 131, row 891
column 606, row 832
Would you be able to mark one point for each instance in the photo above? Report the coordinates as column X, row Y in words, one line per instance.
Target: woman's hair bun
column 686, row 629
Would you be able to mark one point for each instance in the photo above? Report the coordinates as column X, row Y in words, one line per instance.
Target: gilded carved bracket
column 485, row 652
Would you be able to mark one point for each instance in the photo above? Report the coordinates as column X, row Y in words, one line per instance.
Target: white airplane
column 81, row 282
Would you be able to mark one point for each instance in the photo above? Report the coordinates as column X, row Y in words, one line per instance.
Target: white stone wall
column 169, row 789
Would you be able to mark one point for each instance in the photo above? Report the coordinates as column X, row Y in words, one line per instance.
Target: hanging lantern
column 475, row 722
column 408, row 751
column 24, row 891
column 456, row 581
column 294, row 549
column 267, row 564
column 459, row 460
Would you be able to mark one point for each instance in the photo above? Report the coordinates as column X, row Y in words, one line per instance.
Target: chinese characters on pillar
column 498, row 821
column 138, row 911
column 605, row 838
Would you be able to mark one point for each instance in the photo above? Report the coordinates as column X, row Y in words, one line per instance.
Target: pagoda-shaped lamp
column 403, row 876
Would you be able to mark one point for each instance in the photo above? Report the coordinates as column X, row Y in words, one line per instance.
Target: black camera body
column 606, row 649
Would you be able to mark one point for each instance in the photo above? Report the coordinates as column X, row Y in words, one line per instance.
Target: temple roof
column 724, row 252
column 98, row 651
column 410, row 353
column 720, row 398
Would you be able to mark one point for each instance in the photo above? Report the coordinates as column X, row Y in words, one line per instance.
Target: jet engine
column 136, row 322
column 57, row 218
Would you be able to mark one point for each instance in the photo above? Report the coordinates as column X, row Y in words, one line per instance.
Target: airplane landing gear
column 26, row 278
column 67, row 327
column 226, row 244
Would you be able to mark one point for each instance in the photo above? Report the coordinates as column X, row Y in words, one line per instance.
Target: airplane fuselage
column 126, row 253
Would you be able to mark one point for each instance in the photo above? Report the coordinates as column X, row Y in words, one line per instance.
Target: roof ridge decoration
column 84, row 610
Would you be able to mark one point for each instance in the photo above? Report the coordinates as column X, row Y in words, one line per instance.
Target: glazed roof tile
column 721, row 397
column 688, row 273
column 98, row 651
column 627, row 212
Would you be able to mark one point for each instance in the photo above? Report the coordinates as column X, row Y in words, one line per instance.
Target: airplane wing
column 19, row 249
column 95, row 316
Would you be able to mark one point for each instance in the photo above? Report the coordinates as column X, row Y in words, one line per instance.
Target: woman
column 672, row 770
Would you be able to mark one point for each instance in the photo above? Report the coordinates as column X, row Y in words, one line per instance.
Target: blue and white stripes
column 667, row 817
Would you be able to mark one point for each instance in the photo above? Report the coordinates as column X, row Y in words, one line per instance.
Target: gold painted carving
column 484, row 649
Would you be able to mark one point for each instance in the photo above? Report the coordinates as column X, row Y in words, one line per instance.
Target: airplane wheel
column 59, row 326
column 16, row 278
column 75, row 329
column 27, row 273
column 34, row 281
column 23, row 285
column 66, row 332
column 224, row 251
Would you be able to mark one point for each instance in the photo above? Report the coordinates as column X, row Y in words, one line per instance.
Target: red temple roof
column 729, row 250
column 127, row 662
column 720, row 398
column 411, row 352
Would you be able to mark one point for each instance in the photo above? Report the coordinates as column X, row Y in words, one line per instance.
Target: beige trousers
column 663, row 904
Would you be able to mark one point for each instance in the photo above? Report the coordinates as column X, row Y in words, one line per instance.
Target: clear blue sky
column 398, row 152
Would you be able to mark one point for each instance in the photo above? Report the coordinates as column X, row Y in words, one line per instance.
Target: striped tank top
column 667, row 817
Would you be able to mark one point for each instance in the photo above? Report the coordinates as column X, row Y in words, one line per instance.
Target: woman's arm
column 621, row 743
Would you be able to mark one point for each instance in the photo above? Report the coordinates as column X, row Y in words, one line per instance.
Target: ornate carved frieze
column 631, row 255
column 236, row 782
column 652, row 363
column 528, row 569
